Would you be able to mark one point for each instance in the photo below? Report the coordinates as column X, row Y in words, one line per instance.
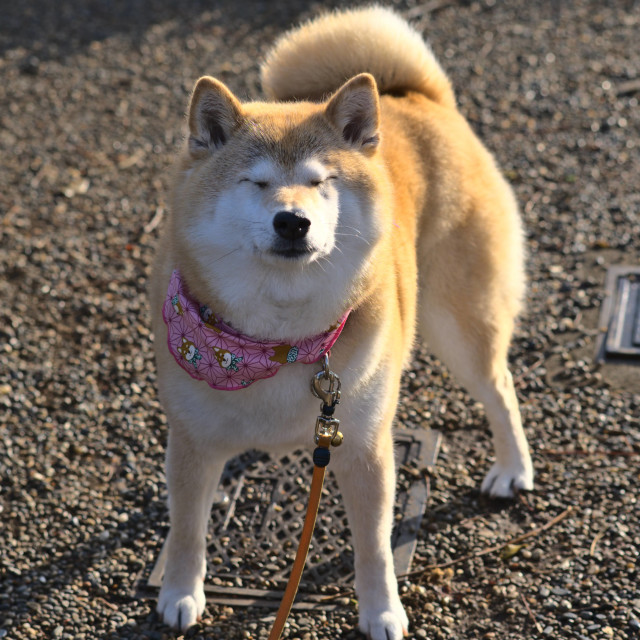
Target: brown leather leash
column 326, row 435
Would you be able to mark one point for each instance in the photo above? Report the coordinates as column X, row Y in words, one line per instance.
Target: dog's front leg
column 366, row 477
column 192, row 477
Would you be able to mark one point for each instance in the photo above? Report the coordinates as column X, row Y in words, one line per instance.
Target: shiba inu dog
column 358, row 198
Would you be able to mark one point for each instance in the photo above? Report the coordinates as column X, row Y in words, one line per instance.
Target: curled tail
column 313, row 60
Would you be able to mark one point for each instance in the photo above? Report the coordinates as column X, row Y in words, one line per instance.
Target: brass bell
column 336, row 441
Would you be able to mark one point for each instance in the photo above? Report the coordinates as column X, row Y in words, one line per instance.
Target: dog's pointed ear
column 214, row 113
column 355, row 111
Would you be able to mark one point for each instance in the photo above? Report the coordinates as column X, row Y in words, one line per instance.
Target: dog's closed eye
column 261, row 184
column 317, row 182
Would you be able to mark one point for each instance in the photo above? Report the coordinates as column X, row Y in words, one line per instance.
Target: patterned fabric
column 208, row 349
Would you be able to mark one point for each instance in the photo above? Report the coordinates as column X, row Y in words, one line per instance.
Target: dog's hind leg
column 474, row 347
column 192, row 479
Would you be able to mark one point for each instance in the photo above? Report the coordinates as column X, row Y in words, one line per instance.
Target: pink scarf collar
column 208, row 349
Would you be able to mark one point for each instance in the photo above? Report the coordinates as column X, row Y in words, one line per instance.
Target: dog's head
column 282, row 193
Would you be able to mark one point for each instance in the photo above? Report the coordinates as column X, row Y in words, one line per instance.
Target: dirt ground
column 92, row 100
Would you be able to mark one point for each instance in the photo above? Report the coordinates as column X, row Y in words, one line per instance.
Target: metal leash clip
column 330, row 396
column 326, row 424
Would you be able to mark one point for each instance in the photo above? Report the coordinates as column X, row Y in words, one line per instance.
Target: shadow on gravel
column 46, row 29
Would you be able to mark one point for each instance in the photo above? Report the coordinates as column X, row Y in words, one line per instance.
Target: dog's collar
column 210, row 350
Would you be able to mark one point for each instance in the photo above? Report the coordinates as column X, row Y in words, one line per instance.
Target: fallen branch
column 429, row 7
column 488, row 550
column 627, row 88
column 155, row 221
column 528, row 608
column 594, row 543
column 603, row 453
column 544, row 527
column 521, row 376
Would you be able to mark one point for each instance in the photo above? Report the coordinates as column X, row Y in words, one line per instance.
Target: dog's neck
column 209, row 349
column 275, row 304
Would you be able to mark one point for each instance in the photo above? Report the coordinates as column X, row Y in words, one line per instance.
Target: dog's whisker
column 321, row 266
column 324, row 259
column 354, row 235
column 222, row 257
column 350, row 228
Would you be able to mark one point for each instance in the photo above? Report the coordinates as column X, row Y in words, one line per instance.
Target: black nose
column 291, row 226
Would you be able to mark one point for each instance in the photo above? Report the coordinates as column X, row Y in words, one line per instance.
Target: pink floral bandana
column 208, row 349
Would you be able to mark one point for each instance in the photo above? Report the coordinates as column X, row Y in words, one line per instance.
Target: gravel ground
column 92, row 96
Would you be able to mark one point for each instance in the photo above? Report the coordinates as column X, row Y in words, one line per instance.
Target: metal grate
column 620, row 316
column 255, row 528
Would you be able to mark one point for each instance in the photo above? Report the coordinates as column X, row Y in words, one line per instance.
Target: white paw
column 505, row 481
column 180, row 609
column 384, row 625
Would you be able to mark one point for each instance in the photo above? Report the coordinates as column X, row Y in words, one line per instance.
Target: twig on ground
column 594, row 544
column 347, row 593
column 155, row 221
column 106, row 603
column 493, row 549
column 520, row 377
column 627, row 88
column 544, row 527
column 533, row 618
column 428, row 7
column 586, row 452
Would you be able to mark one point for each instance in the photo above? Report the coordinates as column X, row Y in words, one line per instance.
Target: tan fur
column 409, row 220
column 379, row 42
